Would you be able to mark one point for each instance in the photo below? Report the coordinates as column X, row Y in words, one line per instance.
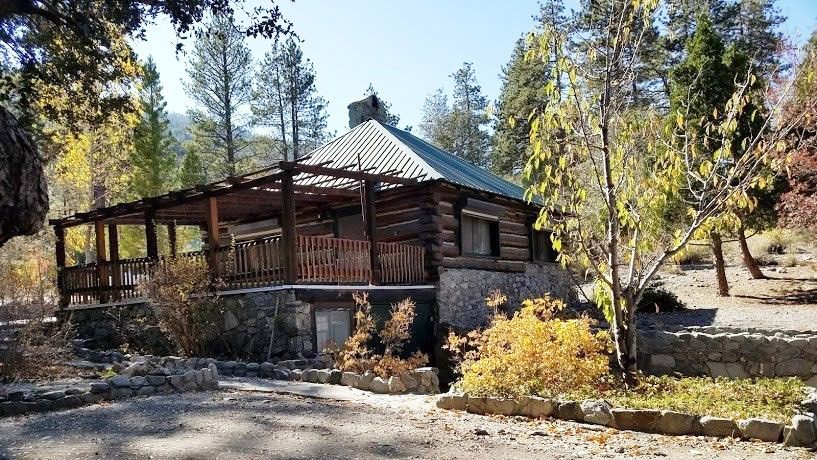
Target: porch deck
column 254, row 264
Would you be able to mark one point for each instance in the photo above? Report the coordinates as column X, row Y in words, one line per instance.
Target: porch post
column 59, row 247
column 212, row 235
column 171, row 236
column 101, row 258
column 288, row 236
column 150, row 235
column 116, row 269
column 371, row 230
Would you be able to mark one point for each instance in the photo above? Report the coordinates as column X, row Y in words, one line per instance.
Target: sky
column 406, row 49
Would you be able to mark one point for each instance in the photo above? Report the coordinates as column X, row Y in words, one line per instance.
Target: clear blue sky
column 406, row 49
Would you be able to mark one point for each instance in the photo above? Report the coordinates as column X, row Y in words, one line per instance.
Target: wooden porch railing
column 251, row 264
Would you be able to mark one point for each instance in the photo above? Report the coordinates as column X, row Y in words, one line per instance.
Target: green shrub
column 532, row 353
column 657, row 299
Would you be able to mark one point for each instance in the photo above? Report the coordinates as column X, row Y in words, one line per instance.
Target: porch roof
column 246, row 197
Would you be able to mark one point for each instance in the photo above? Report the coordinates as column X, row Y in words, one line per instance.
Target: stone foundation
column 719, row 352
column 462, row 292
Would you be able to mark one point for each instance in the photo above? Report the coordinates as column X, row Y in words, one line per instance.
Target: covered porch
column 290, row 199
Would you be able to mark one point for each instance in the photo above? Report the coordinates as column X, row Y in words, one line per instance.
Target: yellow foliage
column 534, row 353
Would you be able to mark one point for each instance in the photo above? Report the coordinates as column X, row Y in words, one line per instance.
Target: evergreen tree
column 191, row 171
column 468, row 118
column 389, row 118
column 523, row 82
column 153, row 159
column 753, row 27
column 286, row 99
column 220, row 71
column 435, row 122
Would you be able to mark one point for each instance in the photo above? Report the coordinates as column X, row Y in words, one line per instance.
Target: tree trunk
column 23, row 192
column 748, row 260
column 720, row 265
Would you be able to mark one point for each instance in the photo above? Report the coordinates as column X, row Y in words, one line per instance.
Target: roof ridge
column 431, row 172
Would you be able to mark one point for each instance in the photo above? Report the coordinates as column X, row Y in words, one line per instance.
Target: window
column 332, row 326
column 541, row 246
column 479, row 236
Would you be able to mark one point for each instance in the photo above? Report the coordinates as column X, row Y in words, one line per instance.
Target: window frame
column 329, row 308
column 493, row 230
column 543, row 233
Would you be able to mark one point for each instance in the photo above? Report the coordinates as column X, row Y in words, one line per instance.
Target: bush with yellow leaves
column 532, row 353
column 356, row 355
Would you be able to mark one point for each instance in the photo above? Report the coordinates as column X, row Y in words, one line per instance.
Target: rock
column 736, row 371
column 155, row 380
column 719, row 427
column 334, row 376
column 793, row 367
column 120, row 381
column 569, row 410
column 16, row 395
column 365, row 381
column 676, row 423
column 635, row 419
column 802, row 432
column 213, row 371
column 396, row 385
column 764, row 430
column 230, row 321
column 99, row 387
column 121, row 392
column 53, row 395
column 596, row 412
column 296, row 374
column 535, row 407
column 350, row 379
column 91, row 398
column 662, row 363
column 476, row 405
column 501, row 406
column 378, row 385
column 281, row 374
column 310, row 375
column 452, row 402
column 410, row 382
column 73, row 391
column 146, row 390
column 137, row 382
column 138, row 368
column 323, row 375
column 717, row 369
column 68, row 402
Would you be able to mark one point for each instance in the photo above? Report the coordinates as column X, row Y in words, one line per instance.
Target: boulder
column 323, row 375
column 266, row 369
column 452, row 402
column 146, row 390
column 91, row 398
column 535, row 407
column 99, row 387
column 53, row 395
column 310, row 375
column 68, row 402
column 396, row 386
column 635, row 419
column 365, row 381
column 120, row 381
column 501, row 406
column 764, row 430
column 793, row 367
column 334, row 376
column 596, row 412
column 137, row 382
column 349, row 379
column 410, row 382
column 719, row 427
column 569, row 410
column 802, row 432
column 379, row 385
column 155, row 380
column 476, row 405
column 676, row 423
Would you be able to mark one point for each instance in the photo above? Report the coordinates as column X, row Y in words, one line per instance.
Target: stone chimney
column 368, row 108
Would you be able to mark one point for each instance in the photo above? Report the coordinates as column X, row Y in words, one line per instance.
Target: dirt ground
column 254, row 423
column 786, row 300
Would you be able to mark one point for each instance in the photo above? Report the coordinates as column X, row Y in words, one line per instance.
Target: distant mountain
column 178, row 126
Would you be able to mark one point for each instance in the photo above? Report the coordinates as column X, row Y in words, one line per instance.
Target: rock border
column 118, row 387
column 800, row 433
column 423, row 380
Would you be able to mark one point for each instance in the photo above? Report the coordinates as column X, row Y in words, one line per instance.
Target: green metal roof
column 378, row 147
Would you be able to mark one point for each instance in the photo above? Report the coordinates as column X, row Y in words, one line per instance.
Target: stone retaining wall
column 719, row 352
column 121, row 386
column 801, row 431
column 462, row 292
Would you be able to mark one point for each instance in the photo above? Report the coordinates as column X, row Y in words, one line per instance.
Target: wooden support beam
column 59, row 247
column 211, row 220
column 101, row 258
column 288, row 236
column 151, row 242
column 171, row 236
column 116, row 269
column 369, row 215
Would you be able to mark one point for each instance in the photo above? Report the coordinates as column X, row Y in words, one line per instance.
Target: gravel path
column 258, row 422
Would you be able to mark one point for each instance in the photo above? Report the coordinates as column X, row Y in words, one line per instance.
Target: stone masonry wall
column 733, row 353
column 461, row 294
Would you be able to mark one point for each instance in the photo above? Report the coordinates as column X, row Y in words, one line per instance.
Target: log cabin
column 377, row 210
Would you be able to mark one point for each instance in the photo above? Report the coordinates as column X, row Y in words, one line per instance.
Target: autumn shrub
column 532, row 353
column 33, row 348
column 183, row 299
column 693, row 254
column 356, row 353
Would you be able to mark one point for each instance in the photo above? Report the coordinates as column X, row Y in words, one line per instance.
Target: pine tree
column 220, row 71
column 436, row 119
column 389, row 118
column 153, row 159
column 468, row 118
column 286, row 99
column 523, row 81
column 191, row 171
